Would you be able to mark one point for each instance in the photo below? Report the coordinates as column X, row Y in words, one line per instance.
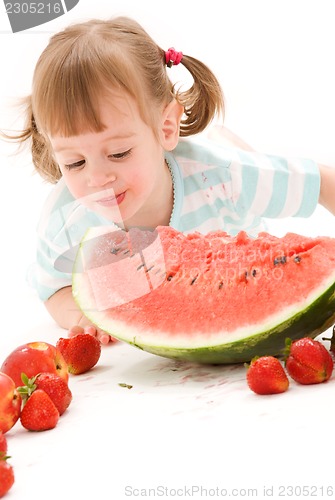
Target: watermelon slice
column 209, row 299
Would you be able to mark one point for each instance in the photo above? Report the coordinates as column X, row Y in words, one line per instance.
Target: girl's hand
column 104, row 337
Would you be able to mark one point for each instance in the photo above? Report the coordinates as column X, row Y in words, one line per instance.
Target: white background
column 275, row 61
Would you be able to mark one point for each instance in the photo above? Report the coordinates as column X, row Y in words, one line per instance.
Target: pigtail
column 202, row 101
column 42, row 157
column 40, row 151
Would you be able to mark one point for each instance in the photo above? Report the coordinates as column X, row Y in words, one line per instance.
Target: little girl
column 104, row 123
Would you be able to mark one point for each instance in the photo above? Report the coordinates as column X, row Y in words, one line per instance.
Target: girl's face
column 120, row 172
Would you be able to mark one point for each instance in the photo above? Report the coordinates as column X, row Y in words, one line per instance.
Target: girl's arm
column 327, row 189
column 64, row 310
column 224, row 136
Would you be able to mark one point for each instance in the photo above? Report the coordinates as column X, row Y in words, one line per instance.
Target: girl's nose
column 100, row 174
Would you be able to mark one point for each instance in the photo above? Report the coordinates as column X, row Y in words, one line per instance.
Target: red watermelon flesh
column 173, row 292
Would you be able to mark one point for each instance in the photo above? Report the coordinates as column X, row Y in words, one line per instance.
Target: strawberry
column 39, row 413
column 308, row 361
column 6, row 476
column 80, row 352
column 57, row 389
column 51, row 383
column 266, row 375
column 3, row 445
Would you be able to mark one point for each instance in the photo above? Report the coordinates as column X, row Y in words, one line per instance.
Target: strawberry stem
column 28, row 388
column 287, row 349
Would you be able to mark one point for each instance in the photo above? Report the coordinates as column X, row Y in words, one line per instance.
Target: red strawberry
column 266, row 375
column 80, row 352
column 6, row 476
column 308, row 361
column 3, row 444
column 51, row 383
column 56, row 388
column 39, row 413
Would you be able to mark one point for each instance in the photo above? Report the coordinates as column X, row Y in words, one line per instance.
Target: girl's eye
column 75, row 165
column 120, row 156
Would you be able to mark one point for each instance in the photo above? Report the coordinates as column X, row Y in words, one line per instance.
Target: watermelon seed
column 140, row 267
column 150, row 268
column 114, row 250
column 125, row 253
column 280, row 260
column 297, row 259
column 169, row 278
column 220, row 285
column 194, row 280
column 253, row 274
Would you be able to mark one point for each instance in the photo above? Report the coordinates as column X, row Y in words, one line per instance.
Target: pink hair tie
column 172, row 57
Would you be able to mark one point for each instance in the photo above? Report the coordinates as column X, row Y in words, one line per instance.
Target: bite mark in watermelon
column 209, row 299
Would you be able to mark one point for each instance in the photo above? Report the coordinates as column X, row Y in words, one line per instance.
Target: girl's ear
column 170, row 125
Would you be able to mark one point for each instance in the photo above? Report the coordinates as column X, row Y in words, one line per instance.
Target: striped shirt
column 214, row 188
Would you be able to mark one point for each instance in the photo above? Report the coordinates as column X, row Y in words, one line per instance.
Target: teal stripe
column 178, row 190
column 279, row 187
column 47, row 265
column 311, row 189
column 240, row 225
column 205, row 179
column 65, row 198
column 193, row 220
column 43, row 247
column 55, row 224
column 205, row 212
column 250, row 174
column 44, row 292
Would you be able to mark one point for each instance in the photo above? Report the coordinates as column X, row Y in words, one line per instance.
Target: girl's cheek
column 74, row 186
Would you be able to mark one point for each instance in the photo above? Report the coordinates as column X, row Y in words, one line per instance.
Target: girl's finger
column 103, row 337
column 75, row 330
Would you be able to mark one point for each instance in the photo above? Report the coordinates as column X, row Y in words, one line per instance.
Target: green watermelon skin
column 306, row 323
column 214, row 343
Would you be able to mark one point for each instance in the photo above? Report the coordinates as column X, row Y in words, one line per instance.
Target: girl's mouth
column 112, row 201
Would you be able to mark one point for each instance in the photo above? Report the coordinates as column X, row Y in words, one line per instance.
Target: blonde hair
column 86, row 60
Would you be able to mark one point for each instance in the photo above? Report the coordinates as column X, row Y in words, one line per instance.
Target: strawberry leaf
column 29, row 386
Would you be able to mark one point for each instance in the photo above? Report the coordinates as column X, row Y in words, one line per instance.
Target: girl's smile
column 112, row 201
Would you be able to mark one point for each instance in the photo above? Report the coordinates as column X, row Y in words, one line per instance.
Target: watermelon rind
column 306, row 323
column 307, row 319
